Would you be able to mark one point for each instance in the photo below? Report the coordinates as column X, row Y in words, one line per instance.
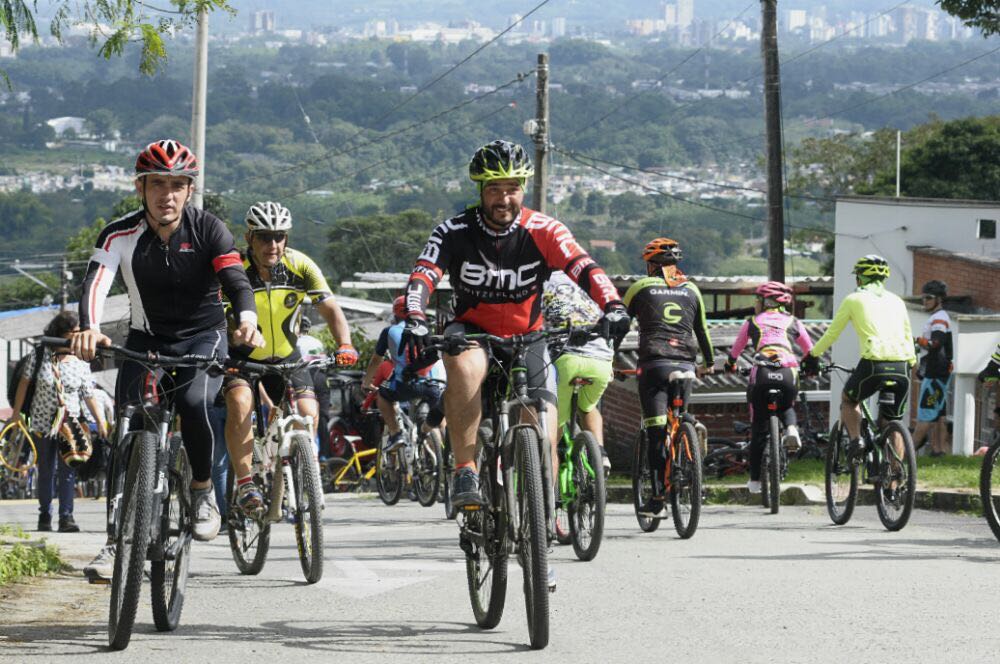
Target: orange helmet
column 662, row 251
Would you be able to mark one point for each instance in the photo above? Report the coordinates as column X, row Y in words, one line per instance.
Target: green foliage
column 982, row 14
column 360, row 341
column 20, row 560
column 377, row 243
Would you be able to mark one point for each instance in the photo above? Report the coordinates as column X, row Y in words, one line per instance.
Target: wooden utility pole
column 541, row 135
column 198, row 105
column 772, row 120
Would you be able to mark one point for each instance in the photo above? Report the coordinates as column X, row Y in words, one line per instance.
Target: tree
column 130, row 21
column 377, row 243
column 102, row 123
column 597, row 203
column 982, row 14
column 630, row 206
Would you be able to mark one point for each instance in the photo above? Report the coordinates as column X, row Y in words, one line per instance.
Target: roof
column 919, row 202
column 26, row 323
column 979, row 259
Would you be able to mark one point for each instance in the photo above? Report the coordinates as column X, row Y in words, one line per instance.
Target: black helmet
column 935, row 288
column 500, row 160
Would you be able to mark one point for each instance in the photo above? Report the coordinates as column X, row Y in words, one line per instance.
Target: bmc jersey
column 279, row 300
column 937, row 362
column 772, row 333
column 173, row 287
column 671, row 319
column 498, row 276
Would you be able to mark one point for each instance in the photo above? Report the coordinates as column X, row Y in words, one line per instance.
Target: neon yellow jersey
column 881, row 322
column 279, row 301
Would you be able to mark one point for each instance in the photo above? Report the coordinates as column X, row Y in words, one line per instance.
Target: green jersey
column 881, row 322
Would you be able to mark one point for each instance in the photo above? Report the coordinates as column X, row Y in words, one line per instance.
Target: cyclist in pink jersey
column 771, row 332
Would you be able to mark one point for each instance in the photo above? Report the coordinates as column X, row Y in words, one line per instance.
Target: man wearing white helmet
column 281, row 279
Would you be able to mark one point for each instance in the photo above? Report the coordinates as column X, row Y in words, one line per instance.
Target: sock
column 467, row 464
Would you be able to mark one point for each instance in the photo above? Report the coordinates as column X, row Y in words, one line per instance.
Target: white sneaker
column 552, row 579
column 207, row 519
column 102, row 567
column 753, row 486
column 791, row 440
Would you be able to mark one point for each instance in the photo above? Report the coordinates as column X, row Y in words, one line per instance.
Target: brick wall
column 969, row 276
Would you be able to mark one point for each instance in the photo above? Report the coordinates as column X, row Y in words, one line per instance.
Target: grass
column 19, row 557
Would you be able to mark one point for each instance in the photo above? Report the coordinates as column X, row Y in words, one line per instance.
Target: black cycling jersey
column 173, row 287
column 671, row 319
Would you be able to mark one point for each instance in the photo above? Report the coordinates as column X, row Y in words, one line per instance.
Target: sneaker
column 792, row 440
column 206, row 515
column 394, row 441
column 465, row 488
column 753, row 486
column 552, row 579
column 653, row 509
column 67, row 524
column 45, row 522
column 249, row 498
column 857, row 447
column 606, row 462
column 102, row 567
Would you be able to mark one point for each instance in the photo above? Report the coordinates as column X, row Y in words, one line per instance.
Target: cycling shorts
column 428, row 390
column 570, row 366
column 301, row 381
column 871, row 377
column 656, row 392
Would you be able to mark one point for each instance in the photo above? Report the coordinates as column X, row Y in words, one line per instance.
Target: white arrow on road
column 358, row 579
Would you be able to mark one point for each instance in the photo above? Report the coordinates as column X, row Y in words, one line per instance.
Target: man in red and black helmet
column 498, row 255
column 173, row 258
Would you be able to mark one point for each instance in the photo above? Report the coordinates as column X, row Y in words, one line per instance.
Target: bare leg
column 462, row 401
column 388, row 412
column 920, row 433
column 239, row 437
column 850, row 415
column 594, row 423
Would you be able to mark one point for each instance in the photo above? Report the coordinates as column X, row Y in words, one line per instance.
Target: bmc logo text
column 475, row 274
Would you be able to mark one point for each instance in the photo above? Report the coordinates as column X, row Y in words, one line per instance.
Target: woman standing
column 63, row 385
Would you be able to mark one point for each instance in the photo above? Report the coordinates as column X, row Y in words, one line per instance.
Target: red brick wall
column 964, row 277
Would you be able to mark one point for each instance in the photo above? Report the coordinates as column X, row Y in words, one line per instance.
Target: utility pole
column 198, row 105
column 541, row 135
column 772, row 120
column 64, row 277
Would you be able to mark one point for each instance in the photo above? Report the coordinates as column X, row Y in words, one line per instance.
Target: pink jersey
column 773, row 332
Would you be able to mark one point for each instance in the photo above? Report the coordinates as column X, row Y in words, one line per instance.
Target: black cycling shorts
column 656, row 392
column 301, row 381
column 870, row 377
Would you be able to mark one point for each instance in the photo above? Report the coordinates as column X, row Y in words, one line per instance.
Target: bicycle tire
column 309, row 508
column 562, row 528
column 168, row 578
column 685, row 481
column 532, row 541
column 895, row 504
column 133, row 539
column 772, row 467
column 249, row 538
column 989, row 488
column 388, row 476
column 427, row 468
column 14, row 442
column 486, row 563
column 841, row 477
column 586, row 510
column 642, row 482
column 349, row 481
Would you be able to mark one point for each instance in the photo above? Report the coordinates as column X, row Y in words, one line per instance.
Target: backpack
column 15, row 379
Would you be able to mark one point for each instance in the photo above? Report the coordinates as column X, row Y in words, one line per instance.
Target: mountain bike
column 150, row 499
column 286, row 471
column 989, row 482
column 682, row 477
column 774, row 461
column 728, row 457
column 352, row 464
column 417, row 463
column 18, row 459
column 891, row 468
column 814, row 441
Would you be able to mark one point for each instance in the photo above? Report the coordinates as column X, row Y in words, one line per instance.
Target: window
column 987, row 229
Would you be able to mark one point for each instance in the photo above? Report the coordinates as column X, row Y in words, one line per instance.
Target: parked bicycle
column 18, row 459
column 286, row 471
column 814, row 440
column 727, row 457
column 353, row 436
column 889, row 463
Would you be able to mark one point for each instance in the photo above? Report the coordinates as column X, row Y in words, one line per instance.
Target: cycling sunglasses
column 268, row 237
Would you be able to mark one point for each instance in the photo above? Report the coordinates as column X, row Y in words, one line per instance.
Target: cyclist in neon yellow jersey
column 882, row 324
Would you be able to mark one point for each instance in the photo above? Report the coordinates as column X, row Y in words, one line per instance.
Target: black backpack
column 18, row 372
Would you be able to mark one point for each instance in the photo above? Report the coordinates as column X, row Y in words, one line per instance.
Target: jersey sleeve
column 316, row 285
column 742, row 337
column 701, row 329
column 802, row 337
column 428, row 270
column 382, row 345
column 228, row 267
column 104, row 262
column 562, row 252
column 840, row 320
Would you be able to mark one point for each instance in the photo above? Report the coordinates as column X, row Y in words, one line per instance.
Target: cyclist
column 281, row 278
column 672, row 329
column 173, row 258
column 882, row 324
column 564, row 303
column 311, row 348
column 498, row 254
column 406, row 383
column 934, row 370
column 771, row 332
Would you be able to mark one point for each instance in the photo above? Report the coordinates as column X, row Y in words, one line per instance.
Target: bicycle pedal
column 98, row 581
column 471, row 508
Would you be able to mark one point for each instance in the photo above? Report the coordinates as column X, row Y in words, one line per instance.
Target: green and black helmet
column 500, row 160
column 872, row 267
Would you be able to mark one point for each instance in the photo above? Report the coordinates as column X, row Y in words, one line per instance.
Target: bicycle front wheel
column 532, row 536
column 133, row 539
column 685, row 481
column 771, row 468
column 841, row 477
column 427, row 467
column 389, row 476
column 485, row 544
column 17, row 449
column 249, row 537
column 308, row 508
column 989, row 488
column 897, row 484
column 168, row 577
column 586, row 511
column 642, row 482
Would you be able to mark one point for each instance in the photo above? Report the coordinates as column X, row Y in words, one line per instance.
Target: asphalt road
column 749, row 587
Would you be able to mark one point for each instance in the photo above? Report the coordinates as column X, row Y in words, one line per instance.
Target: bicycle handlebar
column 145, row 358
column 453, row 344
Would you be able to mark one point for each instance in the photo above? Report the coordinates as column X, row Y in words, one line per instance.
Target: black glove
column 615, row 323
column 415, row 333
column 810, row 365
column 730, row 365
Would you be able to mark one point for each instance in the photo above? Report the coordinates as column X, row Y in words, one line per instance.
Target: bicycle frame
column 567, row 489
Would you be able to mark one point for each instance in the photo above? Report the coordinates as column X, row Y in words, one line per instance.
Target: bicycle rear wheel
column 771, row 468
column 249, row 537
column 642, row 482
column 17, row 451
column 586, row 511
column 133, row 539
column 532, row 545
column 485, row 544
column 427, row 467
column 897, row 484
column 841, row 477
column 308, row 508
column 389, row 476
column 989, row 487
column 685, row 481
column 168, row 577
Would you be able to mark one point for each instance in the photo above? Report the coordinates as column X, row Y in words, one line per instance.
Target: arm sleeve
column 840, row 320
column 701, row 329
column 427, row 272
column 382, row 345
column 316, row 285
column 562, row 252
column 229, row 270
column 101, row 270
column 802, row 337
column 742, row 337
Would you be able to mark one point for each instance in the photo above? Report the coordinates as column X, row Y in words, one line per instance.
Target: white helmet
column 268, row 216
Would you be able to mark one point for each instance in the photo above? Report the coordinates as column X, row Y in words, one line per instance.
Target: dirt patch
column 61, row 610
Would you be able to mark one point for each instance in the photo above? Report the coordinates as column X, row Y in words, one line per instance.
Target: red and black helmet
column 166, row 157
column 775, row 290
column 399, row 307
column 662, row 251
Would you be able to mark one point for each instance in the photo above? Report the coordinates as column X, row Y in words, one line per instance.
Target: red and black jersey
column 173, row 287
column 498, row 277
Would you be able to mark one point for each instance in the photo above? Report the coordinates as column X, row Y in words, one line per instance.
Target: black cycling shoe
column 465, row 489
column 857, row 448
column 653, row 509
